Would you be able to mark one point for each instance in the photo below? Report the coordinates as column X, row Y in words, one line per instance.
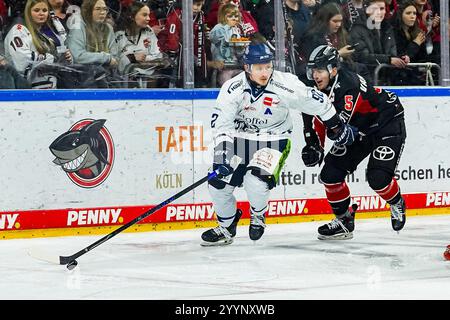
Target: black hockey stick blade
column 70, row 260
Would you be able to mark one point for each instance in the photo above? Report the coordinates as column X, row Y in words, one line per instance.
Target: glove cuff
column 311, row 137
column 334, row 123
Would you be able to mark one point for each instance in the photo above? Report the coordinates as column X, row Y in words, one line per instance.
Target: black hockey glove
column 312, row 153
column 344, row 135
column 222, row 157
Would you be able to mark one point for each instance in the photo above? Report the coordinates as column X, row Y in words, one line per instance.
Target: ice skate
column 339, row 228
column 257, row 226
column 398, row 215
column 220, row 236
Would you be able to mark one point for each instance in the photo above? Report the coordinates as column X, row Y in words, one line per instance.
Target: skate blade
column 342, row 236
column 219, row 243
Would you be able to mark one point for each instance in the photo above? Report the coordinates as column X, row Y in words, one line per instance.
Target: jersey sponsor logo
column 234, row 85
column 189, row 212
column 268, row 101
column 85, row 152
column 91, row 217
column 8, row 221
column 255, row 121
column 267, row 112
column 281, row 86
column 383, row 153
column 338, row 151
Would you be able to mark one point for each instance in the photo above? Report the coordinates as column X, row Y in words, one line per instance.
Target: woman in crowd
column 34, row 48
column 410, row 40
column 93, row 43
column 327, row 28
column 138, row 44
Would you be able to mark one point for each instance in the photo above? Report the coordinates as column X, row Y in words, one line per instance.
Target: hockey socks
column 391, row 194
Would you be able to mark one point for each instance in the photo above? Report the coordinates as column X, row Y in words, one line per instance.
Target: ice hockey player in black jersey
column 378, row 116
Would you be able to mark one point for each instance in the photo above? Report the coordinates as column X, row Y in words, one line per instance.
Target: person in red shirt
column 170, row 42
column 3, row 9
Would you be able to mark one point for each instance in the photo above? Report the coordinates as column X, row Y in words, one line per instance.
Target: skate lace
column 335, row 223
column 222, row 231
column 257, row 220
column 397, row 211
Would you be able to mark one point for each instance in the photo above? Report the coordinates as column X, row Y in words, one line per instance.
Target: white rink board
column 30, row 180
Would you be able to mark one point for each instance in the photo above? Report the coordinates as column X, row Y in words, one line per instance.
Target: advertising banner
column 72, row 164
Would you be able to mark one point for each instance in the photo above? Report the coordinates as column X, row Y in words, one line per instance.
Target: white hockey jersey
column 21, row 52
column 145, row 42
column 239, row 113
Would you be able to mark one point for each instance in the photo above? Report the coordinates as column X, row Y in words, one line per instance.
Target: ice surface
column 287, row 263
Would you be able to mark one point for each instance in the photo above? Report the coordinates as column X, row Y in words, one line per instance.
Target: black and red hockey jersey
column 360, row 104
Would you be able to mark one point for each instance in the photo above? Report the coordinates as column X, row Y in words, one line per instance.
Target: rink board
column 158, row 142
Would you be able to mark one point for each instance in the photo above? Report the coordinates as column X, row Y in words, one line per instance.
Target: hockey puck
column 447, row 253
column 72, row 264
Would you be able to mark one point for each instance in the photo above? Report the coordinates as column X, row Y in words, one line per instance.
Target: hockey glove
column 222, row 157
column 344, row 135
column 312, row 153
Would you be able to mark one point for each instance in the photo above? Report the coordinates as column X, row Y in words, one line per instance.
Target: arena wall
column 158, row 142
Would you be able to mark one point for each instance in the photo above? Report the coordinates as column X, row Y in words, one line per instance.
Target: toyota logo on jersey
column 384, row 153
column 338, row 151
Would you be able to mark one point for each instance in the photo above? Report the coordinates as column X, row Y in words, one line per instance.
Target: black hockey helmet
column 322, row 57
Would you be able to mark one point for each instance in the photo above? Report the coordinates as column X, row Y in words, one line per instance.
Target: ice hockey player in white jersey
column 252, row 120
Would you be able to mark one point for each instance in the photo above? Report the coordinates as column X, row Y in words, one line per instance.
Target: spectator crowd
column 49, row 44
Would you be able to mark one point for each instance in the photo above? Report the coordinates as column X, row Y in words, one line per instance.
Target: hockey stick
column 70, row 260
